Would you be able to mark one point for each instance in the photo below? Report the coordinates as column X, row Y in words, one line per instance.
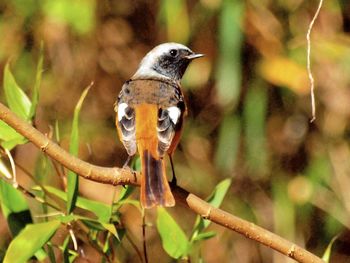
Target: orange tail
column 155, row 189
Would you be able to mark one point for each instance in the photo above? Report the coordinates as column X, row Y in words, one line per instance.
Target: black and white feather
column 126, row 122
column 168, row 119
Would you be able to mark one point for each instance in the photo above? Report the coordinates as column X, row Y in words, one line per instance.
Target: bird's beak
column 194, row 56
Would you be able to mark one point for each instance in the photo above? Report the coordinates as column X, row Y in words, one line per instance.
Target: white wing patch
column 121, row 110
column 174, row 114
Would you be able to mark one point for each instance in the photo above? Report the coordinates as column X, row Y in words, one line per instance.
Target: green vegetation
column 247, row 138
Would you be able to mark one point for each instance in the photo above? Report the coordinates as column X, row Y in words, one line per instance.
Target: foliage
column 38, row 234
column 15, row 207
column 249, row 111
column 72, row 178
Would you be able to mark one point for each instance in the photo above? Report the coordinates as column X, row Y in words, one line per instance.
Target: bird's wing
column 126, row 123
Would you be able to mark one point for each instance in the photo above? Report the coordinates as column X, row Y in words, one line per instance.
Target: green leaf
column 18, row 103
column 93, row 224
column 38, row 76
column 57, row 131
column 102, row 211
column 111, row 228
column 9, row 137
column 12, row 200
column 14, row 142
column 65, row 219
column 327, row 254
column 125, row 192
column 215, row 199
column 135, row 203
column 65, row 250
column 51, row 253
column 137, row 164
column 14, row 207
column 204, row 236
column 41, row 255
column 17, row 100
column 73, row 183
column 174, row 240
column 30, row 240
column 122, row 200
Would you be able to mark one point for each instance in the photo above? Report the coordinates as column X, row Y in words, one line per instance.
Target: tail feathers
column 155, row 189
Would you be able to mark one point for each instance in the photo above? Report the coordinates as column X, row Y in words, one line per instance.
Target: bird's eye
column 173, row 52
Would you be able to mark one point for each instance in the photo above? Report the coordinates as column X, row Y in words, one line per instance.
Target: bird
column 150, row 111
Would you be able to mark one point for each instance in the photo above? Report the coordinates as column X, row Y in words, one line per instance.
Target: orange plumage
column 155, row 188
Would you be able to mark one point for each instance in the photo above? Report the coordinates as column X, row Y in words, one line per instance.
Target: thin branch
column 144, row 236
column 72, row 236
column 31, row 195
column 120, row 176
column 113, row 176
column 54, row 198
column 311, row 78
column 138, row 252
column 13, row 167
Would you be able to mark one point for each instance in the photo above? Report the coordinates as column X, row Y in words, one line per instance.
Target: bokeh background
column 248, row 99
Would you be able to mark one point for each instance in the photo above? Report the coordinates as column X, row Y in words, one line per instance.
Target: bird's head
column 168, row 60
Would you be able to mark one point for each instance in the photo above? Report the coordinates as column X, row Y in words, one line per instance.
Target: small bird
column 149, row 117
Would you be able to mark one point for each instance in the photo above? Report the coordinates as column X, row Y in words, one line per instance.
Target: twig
column 135, row 247
column 74, row 239
column 311, row 78
column 246, row 228
column 42, row 187
column 39, row 199
column 13, row 167
column 120, row 176
column 144, row 236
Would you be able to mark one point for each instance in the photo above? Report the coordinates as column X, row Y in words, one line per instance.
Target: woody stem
column 122, row 176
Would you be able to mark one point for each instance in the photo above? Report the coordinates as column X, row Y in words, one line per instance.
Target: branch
column 120, row 176
column 308, row 57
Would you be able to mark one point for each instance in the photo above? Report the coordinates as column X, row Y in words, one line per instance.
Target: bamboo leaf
column 38, row 76
column 125, row 192
column 20, row 104
column 204, row 236
column 73, row 183
column 102, row 211
column 17, row 100
column 327, row 254
column 215, row 199
column 9, row 137
column 174, row 240
column 14, row 207
column 30, row 240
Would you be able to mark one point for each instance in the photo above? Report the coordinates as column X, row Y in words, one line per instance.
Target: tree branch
column 119, row 176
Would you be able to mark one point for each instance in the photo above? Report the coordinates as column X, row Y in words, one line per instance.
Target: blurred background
column 248, row 99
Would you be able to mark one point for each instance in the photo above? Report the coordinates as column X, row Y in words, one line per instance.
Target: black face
column 174, row 63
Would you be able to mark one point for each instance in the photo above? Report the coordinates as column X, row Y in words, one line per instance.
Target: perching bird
column 150, row 111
